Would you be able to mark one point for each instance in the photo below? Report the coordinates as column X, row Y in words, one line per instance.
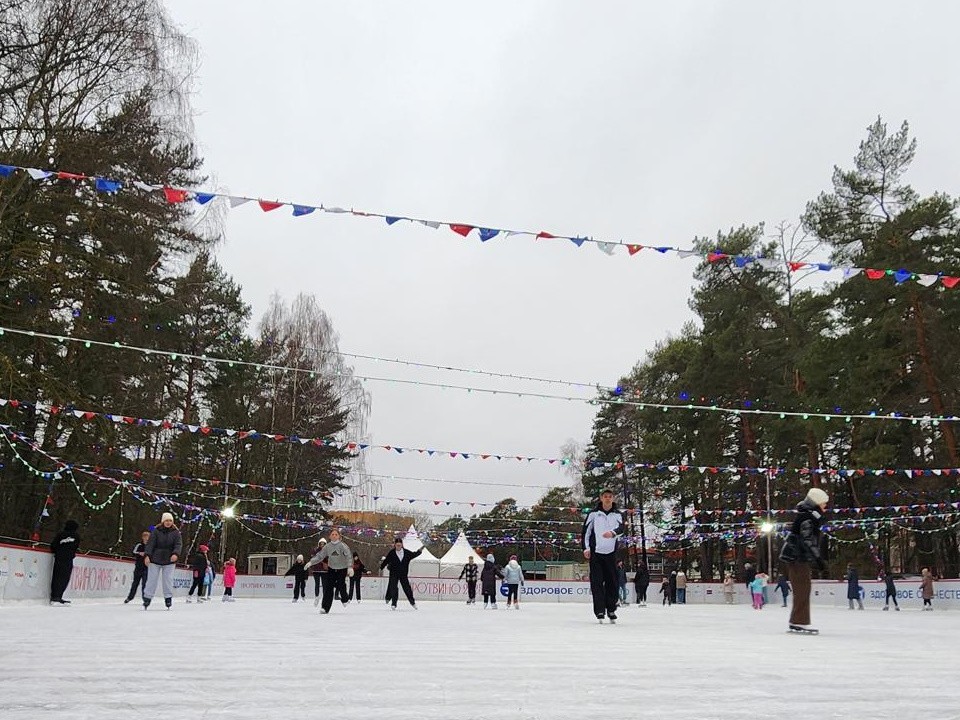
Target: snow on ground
column 273, row 659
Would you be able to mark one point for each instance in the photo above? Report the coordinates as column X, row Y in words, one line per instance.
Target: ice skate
column 612, row 617
column 493, row 606
column 189, row 601
column 316, row 601
column 803, row 630
column 600, row 619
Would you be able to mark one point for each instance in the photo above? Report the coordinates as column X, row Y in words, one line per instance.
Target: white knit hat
column 817, row 496
column 165, row 517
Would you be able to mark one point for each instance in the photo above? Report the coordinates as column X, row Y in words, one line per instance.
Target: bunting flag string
column 617, row 398
column 355, row 447
column 485, row 232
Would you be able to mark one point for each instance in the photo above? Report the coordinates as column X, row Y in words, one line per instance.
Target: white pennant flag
column 936, row 472
column 851, row 272
column 231, row 433
column 606, row 247
column 429, row 223
column 38, row 174
column 78, row 413
column 155, row 423
column 927, row 280
column 146, row 187
column 236, row 201
column 687, row 253
column 769, row 263
column 334, row 210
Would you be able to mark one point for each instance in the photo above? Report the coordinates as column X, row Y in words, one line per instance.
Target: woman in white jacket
column 513, row 577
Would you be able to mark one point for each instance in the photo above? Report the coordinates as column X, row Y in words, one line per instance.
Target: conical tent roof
column 424, row 565
column 451, row 564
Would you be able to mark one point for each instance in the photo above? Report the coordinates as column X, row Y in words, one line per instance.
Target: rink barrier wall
column 25, row 576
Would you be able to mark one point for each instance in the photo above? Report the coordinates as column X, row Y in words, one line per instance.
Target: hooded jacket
column 598, row 523
column 337, row 555
column 803, row 542
column 164, row 542
column 470, row 572
column 642, row 579
column 198, row 564
column 66, row 543
column 513, row 573
column 488, row 577
column 926, row 587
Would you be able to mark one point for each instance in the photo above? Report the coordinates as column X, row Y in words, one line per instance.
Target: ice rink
column 274, row 659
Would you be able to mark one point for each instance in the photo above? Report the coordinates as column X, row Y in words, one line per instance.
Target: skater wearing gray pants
column 163, row 549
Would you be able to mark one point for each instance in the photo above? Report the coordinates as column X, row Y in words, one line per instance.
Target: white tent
column 427, row 564
column 456, row 557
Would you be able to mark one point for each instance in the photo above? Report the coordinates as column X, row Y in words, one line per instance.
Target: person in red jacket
column 229, row 579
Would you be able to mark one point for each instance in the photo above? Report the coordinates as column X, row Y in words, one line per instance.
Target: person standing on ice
column 665, row 591
column 641, row 581
column 681, row 587
column 319, row 574
column 621, row 583
column 139, row 568
column 513, row 577
column 162, row 552
column 359, row 570
column 198, row 568
column 853, row 587
column 801, row 549
column 891, row 592
column 728, row 588
column 926, row 589
column 673, row 587
column 784, row 587
column 470, row 572
column 488, row 582
column 299, row 573
column 64, row 548
column 229, row 579
column 398, row 562
column 339, row 559
column 601, row 530
column 756, row 590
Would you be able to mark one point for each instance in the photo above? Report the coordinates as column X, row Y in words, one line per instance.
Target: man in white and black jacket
column 600, row 532
column 139, row 567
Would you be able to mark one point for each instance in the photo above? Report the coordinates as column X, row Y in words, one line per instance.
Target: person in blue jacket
column 853, row 587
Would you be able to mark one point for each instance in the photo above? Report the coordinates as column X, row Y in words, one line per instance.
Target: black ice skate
column 803, row 630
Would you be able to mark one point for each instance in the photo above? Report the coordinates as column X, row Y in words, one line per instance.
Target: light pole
column 640, row 499
column 767, row 528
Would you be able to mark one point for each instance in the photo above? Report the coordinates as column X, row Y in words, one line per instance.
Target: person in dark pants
column 359, row 570
column 673, row 587
column 601, row 530
column 339, row 559
column 319, row 574
column 139, row 567
column 398, row 562
column 198, row 568
column 470, row 573
column 800, row 550
column 299, row 573
column 891, row 593
column 749, row 574
column 162, row 552
column 64, row 548
column 488, row 582
column 853, row 587
column 641, row 581
column 784, row 587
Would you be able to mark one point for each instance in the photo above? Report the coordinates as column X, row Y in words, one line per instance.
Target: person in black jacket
column 64, row 548
column 488, row 582
column 853, row 587
column 398, row 562
column 641, row 581
column 470, row 572
column 801, row 549
column 198, row 568
column 359, row 570
column 161, row 555
column 891, row 593
column 299, row 573
column 139, row 567
column 319, row 574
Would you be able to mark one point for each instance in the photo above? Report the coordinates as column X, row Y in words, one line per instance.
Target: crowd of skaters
column 337, row 571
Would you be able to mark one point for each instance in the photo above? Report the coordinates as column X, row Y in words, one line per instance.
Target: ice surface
column 275, row 659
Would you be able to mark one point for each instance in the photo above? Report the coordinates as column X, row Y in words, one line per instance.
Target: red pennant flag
column 174, row 196
column 714, row 256
column 129, row 420
column 461, row 229
column 875, row 274
column 794, row 266
column 437, row 502
column 949, row 281
column 545, row 234
column 634, row 249
column 70, row 176
column 54, row 409
column 15, row 403
column 267, row 205
column 205, row 430
column 89, row 415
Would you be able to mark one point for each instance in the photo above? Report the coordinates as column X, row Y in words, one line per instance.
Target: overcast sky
column 648, row 123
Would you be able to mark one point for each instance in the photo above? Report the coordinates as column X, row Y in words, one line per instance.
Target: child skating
column 229, row 579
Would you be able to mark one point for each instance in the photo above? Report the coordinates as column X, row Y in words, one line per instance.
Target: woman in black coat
column 641, row 582
column 853, row 587
column 801, row 550
column 488, row 582
column 64, row 548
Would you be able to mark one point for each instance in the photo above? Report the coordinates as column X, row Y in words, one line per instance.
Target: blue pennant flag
column 578, row 241
column 299, row 210
column 6, row 170
column 662, row 249
column 488, row 234
column 391, row 220
column 825, row 267
column 742, row 260
column 107, row 186
column 203, row 198
column 902, row 276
